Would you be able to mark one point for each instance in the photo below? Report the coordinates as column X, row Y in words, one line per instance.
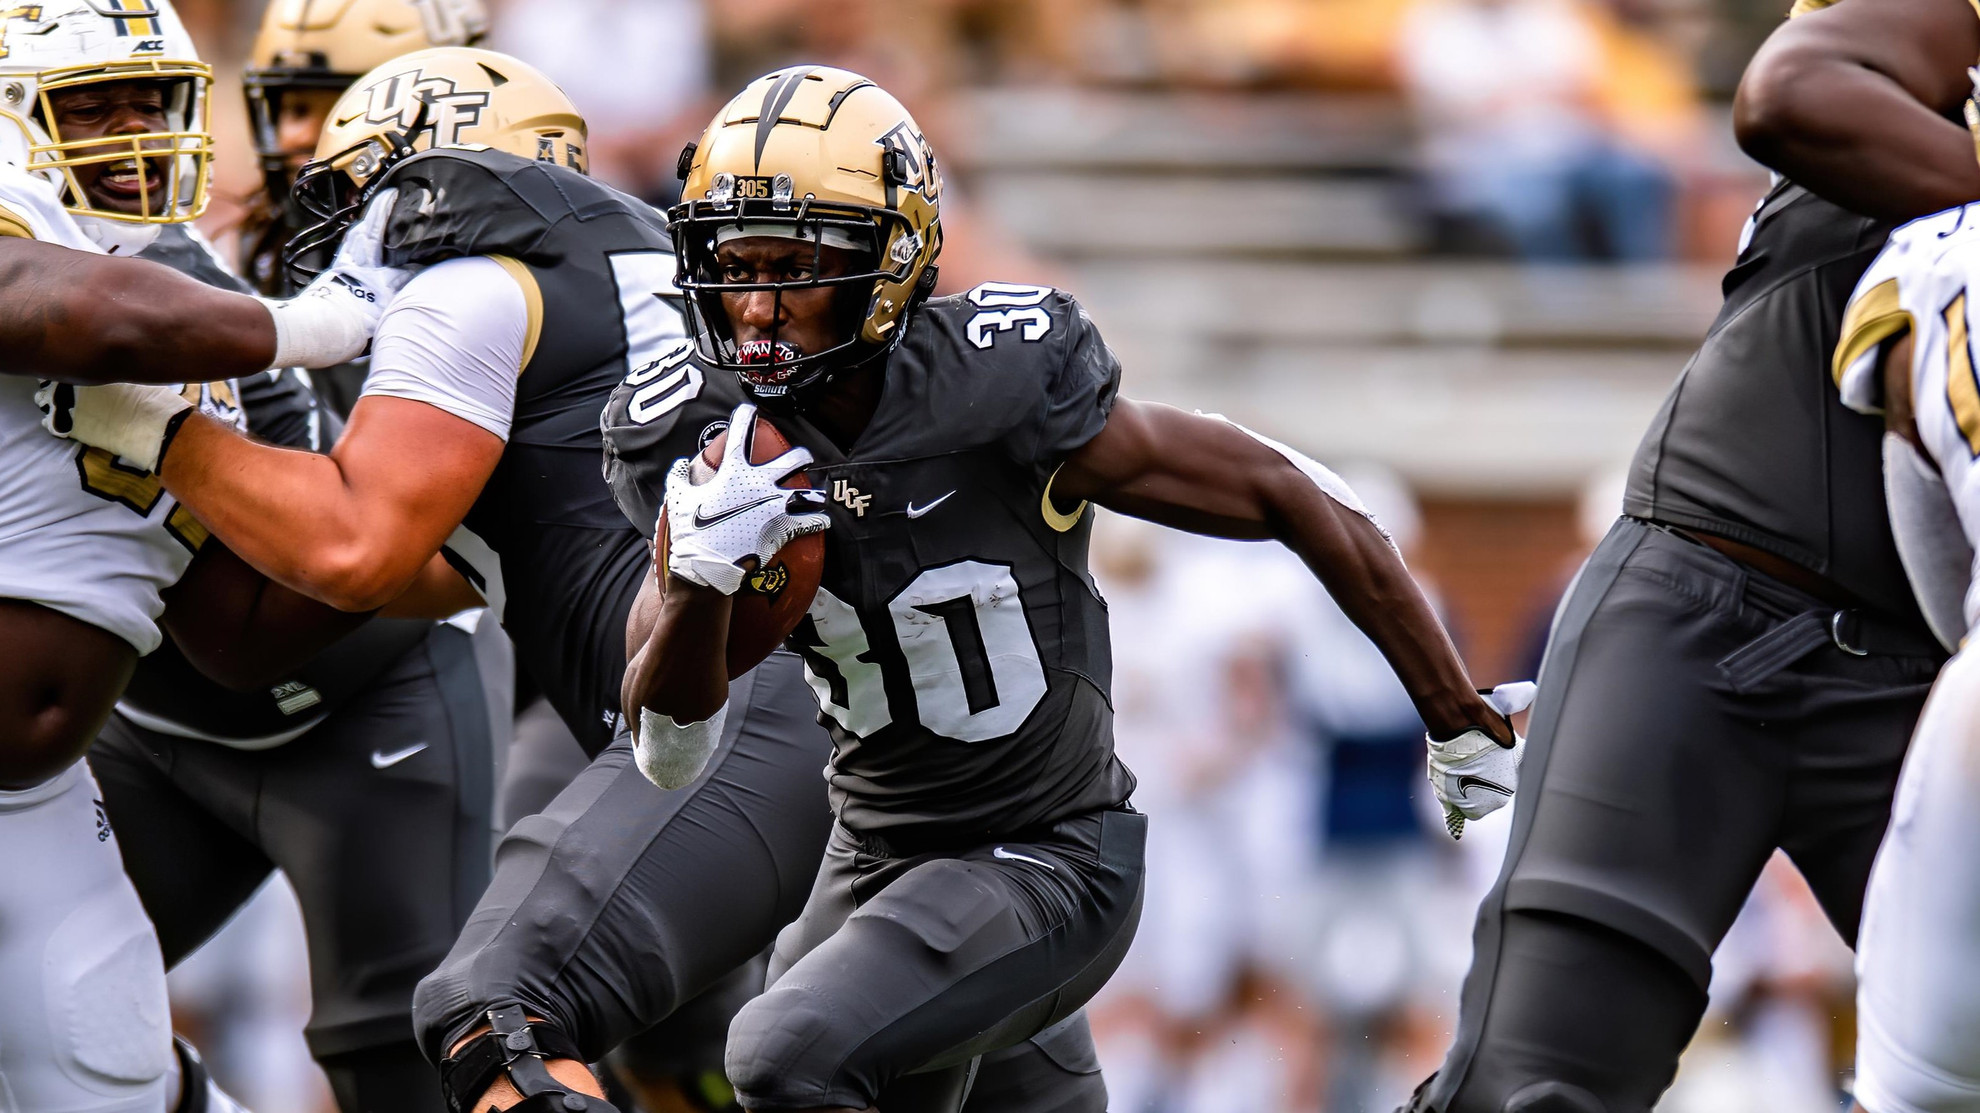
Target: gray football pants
column 1694, row 715
column 907, row 964
column 620, row 903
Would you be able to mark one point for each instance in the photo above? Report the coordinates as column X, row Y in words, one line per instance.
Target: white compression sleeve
column 456, row 338
column 672, row 754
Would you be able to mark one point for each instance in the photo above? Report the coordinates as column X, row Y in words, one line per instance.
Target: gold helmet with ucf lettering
column 327, row 44
column 450, row 96
column 824, row 156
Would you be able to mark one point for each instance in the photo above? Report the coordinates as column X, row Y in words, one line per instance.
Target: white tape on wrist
column 313, row 330
column 671, row 754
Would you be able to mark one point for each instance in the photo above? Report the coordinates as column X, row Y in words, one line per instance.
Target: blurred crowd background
column 1458, row 248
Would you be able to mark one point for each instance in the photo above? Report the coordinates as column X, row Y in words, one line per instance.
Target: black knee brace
column 515, row 1047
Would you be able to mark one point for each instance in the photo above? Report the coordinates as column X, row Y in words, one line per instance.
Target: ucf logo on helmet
column 916, row 158
column 397, row 100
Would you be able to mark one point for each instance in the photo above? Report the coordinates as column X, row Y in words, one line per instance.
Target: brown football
column 772, row 599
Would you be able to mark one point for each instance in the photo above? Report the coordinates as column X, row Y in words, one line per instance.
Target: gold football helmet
column 826, row 156
column 450, row 96
column 58, row 45
column 327, row 44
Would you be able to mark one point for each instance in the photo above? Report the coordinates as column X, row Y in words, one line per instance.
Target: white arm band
column 313, row 329
column 1323, row 477
column 671, row 754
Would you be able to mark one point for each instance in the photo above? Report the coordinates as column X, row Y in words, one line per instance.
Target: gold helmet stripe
column 774, row 103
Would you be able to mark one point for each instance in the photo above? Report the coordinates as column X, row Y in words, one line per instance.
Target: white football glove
column 739, row 513
column 1472, row 774
column 332, row 320
column 131, row 420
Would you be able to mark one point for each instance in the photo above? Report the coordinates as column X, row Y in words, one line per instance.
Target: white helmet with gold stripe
column 57, row 45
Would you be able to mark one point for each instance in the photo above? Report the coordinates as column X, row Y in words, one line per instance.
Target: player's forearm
column 1370, row 583
column 243, row 630
column 293, row 516
column 1860, row 117
column 681, row 670
column 86, row 318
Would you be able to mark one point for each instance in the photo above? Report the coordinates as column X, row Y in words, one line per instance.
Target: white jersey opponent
column 1918, row 993
column 81, row 532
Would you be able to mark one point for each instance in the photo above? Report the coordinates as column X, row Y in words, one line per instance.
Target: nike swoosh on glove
column 740, row 513
column 131, row 420
column 1472, row 774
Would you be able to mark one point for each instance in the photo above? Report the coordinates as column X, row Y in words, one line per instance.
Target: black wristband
column 172, row 425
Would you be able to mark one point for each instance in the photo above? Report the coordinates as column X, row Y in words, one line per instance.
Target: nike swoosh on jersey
column 1014, row 856
column 914, row 511
column 382, row 760
column 1466, row 782
column 703, row 523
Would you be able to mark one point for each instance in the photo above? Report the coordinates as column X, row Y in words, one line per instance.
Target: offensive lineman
column 489, row 370
column 984, row 875
column 1906, row 350
column 115, row 99
column 1740, row 664
column 364, row 776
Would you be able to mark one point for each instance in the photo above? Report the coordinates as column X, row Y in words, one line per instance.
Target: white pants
column 1918, row 956
column 84, row 1023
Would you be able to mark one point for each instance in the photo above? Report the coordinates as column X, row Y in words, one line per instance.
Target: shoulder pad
column 1919, row 269
column 1018, row 365
column 659, row 414
column 31, row 208
column 454, row 203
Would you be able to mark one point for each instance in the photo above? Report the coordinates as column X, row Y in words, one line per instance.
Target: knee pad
column 105, row 980
column 769, row 1043
column 516, row 1048
column 1553, row 1097
column 87, row 1023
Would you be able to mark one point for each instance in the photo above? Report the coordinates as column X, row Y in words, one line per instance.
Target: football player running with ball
column 985, row 872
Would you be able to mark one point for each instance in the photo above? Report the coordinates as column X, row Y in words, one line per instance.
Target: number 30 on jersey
column 1006, row 307
column 963, row 640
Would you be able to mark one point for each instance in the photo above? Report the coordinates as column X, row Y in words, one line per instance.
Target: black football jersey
column 602, row 268
column 957, row 645
column 166, row 692
column 1752, row 442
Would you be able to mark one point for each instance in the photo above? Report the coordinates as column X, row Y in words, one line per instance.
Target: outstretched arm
column 79, row 317
column 87, row 318
column 1852, row 102
column 353, row 528
column 1211, row 477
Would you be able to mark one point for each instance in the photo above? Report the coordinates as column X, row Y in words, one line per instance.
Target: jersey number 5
column 962, row 641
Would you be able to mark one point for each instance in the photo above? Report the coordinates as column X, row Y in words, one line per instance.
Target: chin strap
column 515, row 1048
